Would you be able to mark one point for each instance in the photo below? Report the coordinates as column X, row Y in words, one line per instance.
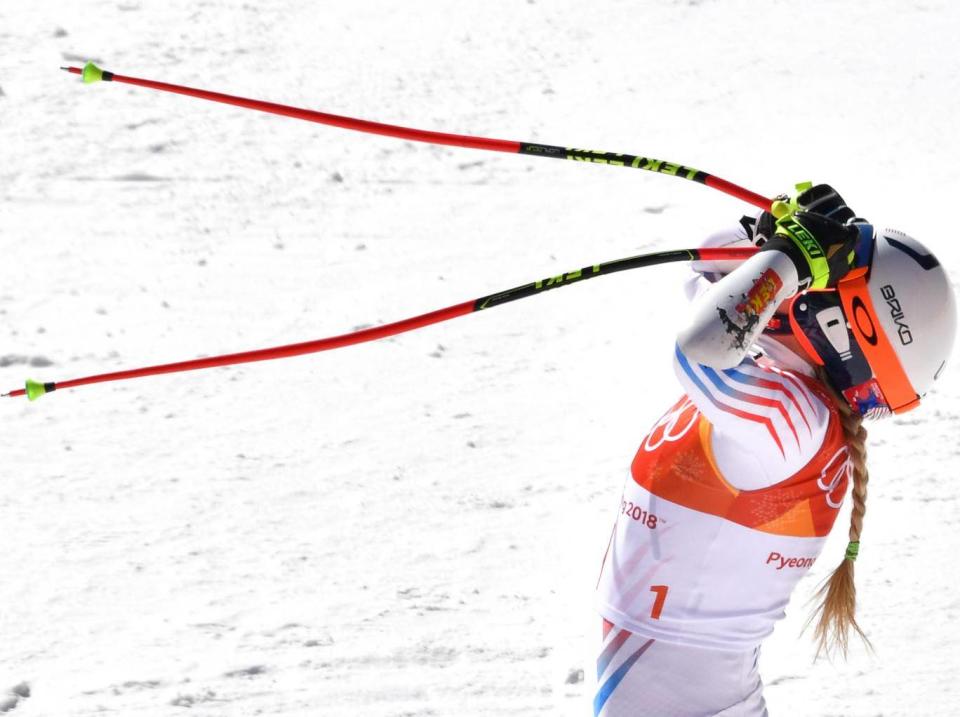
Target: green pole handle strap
column 853, row 549
column 782, row 208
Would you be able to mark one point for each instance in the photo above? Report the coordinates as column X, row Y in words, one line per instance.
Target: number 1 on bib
column 661, row 591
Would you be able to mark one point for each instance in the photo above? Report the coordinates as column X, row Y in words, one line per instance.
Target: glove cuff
column 805, row 251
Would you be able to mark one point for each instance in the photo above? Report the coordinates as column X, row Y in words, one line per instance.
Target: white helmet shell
column 915, row 304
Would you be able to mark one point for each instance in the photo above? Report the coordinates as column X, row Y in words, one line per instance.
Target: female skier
column 733, row 492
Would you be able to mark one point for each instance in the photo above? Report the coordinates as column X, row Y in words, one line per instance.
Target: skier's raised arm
column 765, row 407
column 807, row 250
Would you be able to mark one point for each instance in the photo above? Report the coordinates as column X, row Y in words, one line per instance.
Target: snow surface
column 414, row 527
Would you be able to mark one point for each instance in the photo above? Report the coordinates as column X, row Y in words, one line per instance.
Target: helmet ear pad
column 820, row 325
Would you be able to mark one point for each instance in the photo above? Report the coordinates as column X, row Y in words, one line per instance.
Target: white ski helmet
column 884, row 334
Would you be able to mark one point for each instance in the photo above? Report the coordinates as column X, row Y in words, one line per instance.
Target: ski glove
column 821, row 199
column 822, row 249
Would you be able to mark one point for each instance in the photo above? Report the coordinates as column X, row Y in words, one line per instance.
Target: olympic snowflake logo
column 835, row 474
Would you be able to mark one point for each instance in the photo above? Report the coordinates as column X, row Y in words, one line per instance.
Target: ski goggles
column 841, row 331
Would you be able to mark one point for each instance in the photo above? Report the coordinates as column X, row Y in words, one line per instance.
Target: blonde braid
column 837, row 597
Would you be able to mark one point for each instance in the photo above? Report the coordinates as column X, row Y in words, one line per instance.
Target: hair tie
column 853, row 549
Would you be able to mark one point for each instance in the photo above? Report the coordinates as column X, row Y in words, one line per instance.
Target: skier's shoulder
column 775, row 411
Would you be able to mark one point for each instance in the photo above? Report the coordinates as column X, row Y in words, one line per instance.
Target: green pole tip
column 35, row 389
column 91, row 73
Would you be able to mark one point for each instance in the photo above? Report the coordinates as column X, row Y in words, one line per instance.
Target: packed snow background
column 414, row 526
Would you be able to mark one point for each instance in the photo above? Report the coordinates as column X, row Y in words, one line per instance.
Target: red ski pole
column 92, row 73
column 35, row 389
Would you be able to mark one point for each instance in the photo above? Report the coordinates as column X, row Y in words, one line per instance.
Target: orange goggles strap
column 876, row 347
